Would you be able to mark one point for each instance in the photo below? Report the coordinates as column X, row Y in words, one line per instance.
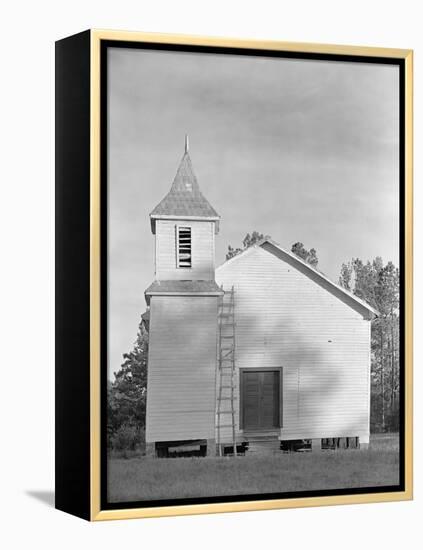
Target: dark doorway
column 260, row 393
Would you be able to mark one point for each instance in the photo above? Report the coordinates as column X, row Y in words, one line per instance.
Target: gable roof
column 184, row 199
column 274, row 248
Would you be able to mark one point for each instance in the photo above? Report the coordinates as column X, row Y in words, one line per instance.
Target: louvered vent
column 184, row 247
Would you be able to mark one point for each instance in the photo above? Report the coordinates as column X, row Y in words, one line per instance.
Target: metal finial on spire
column 186, row 143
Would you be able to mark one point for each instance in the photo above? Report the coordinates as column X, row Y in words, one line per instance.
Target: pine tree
column 127, row 394
column 248, row 241
column 309, row 256
column 378, row 285
column 346, row 276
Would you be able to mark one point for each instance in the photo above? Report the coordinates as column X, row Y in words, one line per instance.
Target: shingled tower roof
column 184, row 200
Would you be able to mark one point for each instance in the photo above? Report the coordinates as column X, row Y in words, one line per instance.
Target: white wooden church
column 262, row 352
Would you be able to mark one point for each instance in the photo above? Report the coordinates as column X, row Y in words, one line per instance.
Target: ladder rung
column 225, row 412
column 225, row 426
column 228, row 336
column 230, row 387
column 234, row 398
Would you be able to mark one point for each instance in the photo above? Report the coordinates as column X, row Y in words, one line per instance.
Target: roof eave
column 154, row 217
column 373, row 313
column 149, row 294
column 350, row 295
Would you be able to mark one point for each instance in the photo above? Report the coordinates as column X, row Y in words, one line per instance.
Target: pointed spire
column 184, row 198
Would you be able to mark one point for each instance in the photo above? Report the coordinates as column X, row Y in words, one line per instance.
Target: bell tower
column 185, row 225
column 183, row 302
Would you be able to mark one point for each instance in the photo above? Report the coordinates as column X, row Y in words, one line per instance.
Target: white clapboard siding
column 285, row 319
column 181, row 368
column 202, row 250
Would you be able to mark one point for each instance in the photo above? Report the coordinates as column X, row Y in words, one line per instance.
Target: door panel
column 251, row 399
column 261, row 405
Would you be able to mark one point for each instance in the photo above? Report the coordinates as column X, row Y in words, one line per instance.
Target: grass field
column 150, row 479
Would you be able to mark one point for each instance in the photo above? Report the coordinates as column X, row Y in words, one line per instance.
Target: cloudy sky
column 299, row 150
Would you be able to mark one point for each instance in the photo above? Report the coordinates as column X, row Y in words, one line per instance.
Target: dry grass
column 154, row 479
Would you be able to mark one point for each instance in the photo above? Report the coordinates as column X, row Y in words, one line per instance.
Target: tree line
column 374, row 282
column 378, row 284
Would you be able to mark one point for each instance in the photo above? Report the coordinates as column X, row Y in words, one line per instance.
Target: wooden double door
column 260, row 399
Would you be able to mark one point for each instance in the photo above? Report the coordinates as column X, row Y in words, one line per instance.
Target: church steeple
column 183, row 300
column 185, row 225
column 184, row 199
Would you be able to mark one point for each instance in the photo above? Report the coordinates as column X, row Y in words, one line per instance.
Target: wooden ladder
column 225, row 410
